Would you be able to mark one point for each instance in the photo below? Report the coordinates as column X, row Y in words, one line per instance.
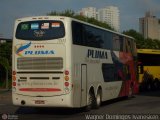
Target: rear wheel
column 90, row 101
column 98, row 99
column 130, row 95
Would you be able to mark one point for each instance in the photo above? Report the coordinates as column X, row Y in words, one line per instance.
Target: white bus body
column 51, row 71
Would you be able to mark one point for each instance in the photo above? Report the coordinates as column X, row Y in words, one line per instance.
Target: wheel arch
column 91, row 89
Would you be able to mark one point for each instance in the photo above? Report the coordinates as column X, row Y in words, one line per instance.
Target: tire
column 90, row 101
column 130, row 95
column 98, row 99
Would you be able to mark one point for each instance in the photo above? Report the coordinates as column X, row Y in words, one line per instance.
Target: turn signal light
column 14, row 73
column 66, row 78
column 14, row 78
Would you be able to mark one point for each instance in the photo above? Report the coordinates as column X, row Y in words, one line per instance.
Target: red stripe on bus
column 40, row 89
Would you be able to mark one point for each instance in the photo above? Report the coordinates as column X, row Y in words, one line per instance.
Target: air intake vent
column 40, row 63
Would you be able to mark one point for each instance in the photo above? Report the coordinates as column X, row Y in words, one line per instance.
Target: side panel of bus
column 91, row 69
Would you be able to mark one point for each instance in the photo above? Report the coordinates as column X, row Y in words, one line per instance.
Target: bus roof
column 148, row 51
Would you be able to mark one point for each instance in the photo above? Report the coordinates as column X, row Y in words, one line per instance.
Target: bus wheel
column 90, row 101
column 130, row 95
column 98, row 99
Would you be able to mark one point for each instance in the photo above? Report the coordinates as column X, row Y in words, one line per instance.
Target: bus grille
column 40, row 63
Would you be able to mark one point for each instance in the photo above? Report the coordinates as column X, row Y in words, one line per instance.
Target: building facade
column 149, row 26
column 110, row 15
column 89, row 12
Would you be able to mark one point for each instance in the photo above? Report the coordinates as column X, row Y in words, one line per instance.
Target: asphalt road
column 142, row 106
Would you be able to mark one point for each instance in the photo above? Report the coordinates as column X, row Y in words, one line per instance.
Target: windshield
column 40, row 30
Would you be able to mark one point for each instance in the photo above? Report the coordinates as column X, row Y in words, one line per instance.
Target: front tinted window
column 40, row 30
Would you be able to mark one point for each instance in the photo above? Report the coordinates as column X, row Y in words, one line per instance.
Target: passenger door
column 83, row 84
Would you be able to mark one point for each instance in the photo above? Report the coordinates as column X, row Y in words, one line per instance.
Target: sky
column 130, row 10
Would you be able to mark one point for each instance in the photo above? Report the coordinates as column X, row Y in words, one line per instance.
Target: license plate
column 39, row 102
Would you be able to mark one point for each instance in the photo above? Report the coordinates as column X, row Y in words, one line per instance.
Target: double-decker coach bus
column 149, row 68
column 63, row 62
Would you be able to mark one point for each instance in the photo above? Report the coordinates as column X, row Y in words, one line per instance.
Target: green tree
column 6, row 59
column 6, row 51
column 68, row 13
column 157, row 43
column 141, row 42
column 5, row 63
